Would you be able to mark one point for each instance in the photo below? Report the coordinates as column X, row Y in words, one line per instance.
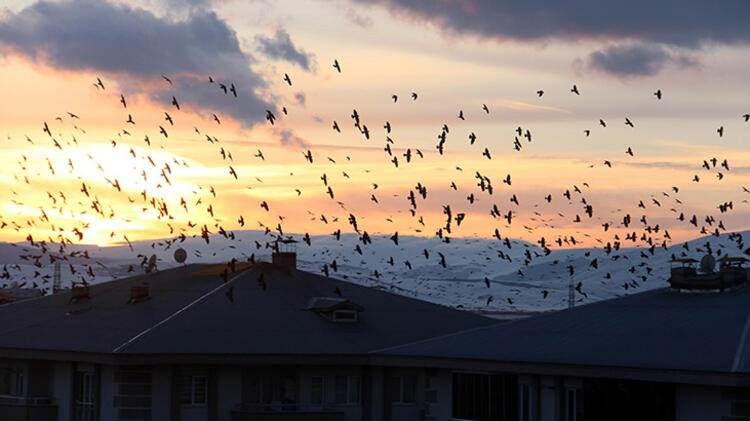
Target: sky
column 455, row 55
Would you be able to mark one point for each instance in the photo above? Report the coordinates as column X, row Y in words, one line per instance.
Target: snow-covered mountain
column 517, row 284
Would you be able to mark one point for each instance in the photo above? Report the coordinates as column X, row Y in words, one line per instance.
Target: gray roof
column 189, row 313
column 660, row 329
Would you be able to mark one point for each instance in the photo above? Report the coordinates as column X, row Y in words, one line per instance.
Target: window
column 430, row 389
column 317, row 390
column 573, row 404
column 193, row 390
column 133, row 394
column 11, row 381
column 347, row 389
column 85, row 395
column 526, row 402
column 345, row 316
column 404, row 388
column 471, row 394
column 266, row 391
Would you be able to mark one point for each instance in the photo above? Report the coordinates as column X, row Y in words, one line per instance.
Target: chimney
column 139, row 293
column 284, row 255
column 79, row 292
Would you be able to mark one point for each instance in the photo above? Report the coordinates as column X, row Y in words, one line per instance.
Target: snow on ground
column 514, row 286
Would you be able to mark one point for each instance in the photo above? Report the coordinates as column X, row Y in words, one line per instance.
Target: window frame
column 322, row 391
column 119, row 393
column 18, row 379
column 192, row 383
column 353, row 389
column 402, row 389
column 352, row 316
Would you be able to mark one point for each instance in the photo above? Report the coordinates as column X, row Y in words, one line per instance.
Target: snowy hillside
column 470, row 265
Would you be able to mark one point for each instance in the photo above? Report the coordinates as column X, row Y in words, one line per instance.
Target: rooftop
column 660, row 329
column 190, row 312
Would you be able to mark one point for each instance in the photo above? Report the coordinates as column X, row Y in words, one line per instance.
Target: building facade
column 273, row 343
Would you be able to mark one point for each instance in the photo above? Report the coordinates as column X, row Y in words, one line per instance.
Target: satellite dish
column 708, row 263
column 180, row 255
column 151, row 266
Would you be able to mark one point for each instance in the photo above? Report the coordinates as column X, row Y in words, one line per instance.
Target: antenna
column 571, row 294
column 180, row 255
column 56, row 278
column 708, row 264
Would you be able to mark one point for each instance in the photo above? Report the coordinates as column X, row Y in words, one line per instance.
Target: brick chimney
column 139, row 293
column 284, row 255
column 79, row 292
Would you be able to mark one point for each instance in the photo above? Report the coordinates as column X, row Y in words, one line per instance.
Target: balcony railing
column 14, row 408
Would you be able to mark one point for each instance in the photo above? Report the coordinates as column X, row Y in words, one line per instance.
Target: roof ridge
column 178, row 312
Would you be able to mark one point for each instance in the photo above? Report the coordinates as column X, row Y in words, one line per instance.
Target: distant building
column 274, row 343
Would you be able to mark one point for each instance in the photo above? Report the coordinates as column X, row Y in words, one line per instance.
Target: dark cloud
column 136, row 45
column 281, row 47
column 287, row 137
column 358, row 19
column 657, row 28
column 673, row 22
column 300, row 98
column 631, row 60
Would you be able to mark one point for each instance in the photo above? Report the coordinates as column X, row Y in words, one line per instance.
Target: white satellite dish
column 708, row 264
column 180, row 255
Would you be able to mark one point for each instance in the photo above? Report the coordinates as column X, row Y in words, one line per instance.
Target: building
column 273, row 343
column 267, row 342
column 666, row 354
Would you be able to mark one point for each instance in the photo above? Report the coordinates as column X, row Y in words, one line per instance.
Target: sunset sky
column 456, row 55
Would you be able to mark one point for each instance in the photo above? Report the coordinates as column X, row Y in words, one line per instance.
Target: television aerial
column 708, row 264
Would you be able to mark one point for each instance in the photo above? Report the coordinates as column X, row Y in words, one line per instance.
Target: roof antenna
column 571, row 294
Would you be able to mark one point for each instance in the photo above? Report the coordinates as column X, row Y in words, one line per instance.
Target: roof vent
column 285, row 254
column 690, row 275
column 338, row 310
column 139, row 293
column 79, row 292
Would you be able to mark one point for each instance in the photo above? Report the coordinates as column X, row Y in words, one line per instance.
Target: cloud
column 281, row 47
column 358, row 19
column 638, row 59
column 300, row 98
column 135, row 44
column 287, row 137
column 667, row 26
column 683, row 23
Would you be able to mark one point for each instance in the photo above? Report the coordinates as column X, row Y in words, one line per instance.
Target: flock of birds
column 153, row 173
